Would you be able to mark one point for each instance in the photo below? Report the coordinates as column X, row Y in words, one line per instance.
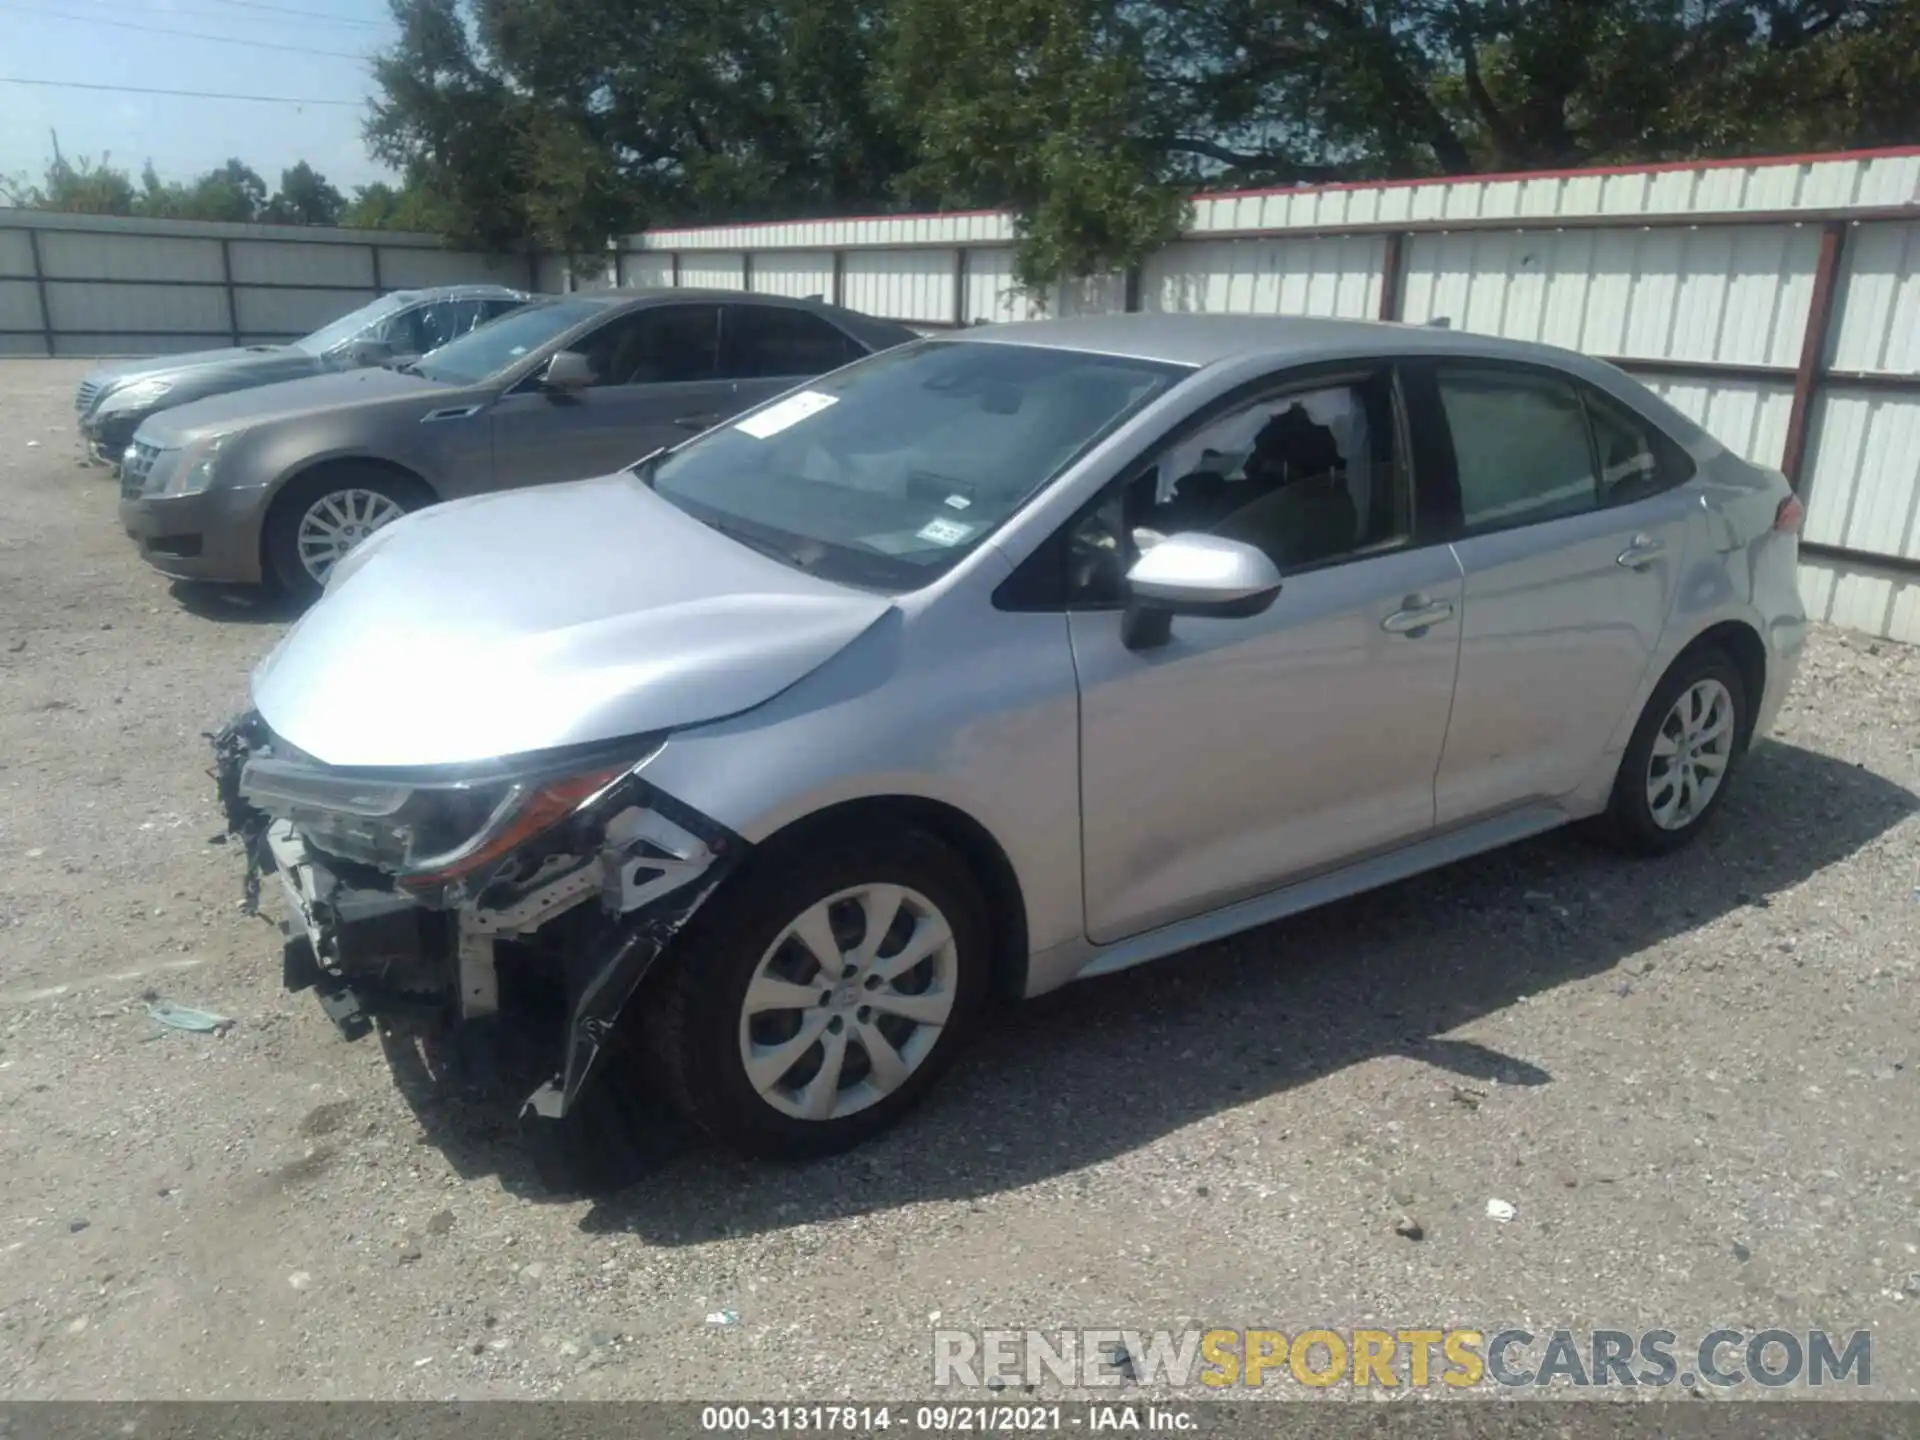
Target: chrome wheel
column 338, row 521
column 848, row 1001
column 1691, row 752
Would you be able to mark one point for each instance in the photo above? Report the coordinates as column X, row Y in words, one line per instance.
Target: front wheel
column 819, row 1000
column 318, row 520
column 1676, row 768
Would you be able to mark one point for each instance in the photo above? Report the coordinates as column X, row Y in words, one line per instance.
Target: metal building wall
column 103, row 285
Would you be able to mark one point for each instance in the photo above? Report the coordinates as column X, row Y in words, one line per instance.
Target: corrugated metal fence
column 1777, row 301
column 103, row 285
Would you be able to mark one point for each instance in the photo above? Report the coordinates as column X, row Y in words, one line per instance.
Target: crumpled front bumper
column 634, row 870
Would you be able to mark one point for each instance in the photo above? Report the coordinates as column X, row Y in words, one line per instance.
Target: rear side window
column 1521, row 446
column 769, row 342
column 1636, row 460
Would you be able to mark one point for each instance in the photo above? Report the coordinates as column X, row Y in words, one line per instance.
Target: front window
column 500, row 344
column 887, row 473
column 351, row 326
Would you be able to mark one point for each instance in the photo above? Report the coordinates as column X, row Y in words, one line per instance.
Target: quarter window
column 1521, row 446
column 1635, row 459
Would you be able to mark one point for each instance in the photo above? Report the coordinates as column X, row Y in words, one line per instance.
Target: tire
column 363, row 496
column 1633, row 822
column 697, row 1025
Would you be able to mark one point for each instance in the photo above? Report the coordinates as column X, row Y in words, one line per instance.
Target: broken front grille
column 133, row 470
column 89, row 392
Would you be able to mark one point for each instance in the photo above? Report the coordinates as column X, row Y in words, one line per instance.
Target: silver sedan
column 990, row 663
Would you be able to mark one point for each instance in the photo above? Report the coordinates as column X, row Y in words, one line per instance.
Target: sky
column 89, row 41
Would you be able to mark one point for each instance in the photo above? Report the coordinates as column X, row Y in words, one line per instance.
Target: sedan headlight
column 187, row 471
column 137, row 396
column 429, row 833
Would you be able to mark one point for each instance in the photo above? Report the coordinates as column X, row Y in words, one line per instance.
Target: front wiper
column 771, row 549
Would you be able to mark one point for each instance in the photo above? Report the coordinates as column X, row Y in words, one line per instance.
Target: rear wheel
column 318, row 520
column 819, row 1000
column 1676, row 768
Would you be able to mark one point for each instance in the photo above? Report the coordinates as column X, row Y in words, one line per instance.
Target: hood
column 116, row 372
column 217, row 371
column 241, row 408
column 537, row 618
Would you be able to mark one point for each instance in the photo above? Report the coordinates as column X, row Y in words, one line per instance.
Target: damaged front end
column 478, row 893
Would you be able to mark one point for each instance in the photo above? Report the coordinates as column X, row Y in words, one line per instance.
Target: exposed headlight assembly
column 430, row 833
column 187, row 471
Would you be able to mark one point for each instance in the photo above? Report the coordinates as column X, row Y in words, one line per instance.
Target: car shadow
column 1109, row 1065
column 235, row 604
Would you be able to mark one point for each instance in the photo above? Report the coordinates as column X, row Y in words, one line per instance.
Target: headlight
column 187, row 471
column 137, row 396
column 427, row 834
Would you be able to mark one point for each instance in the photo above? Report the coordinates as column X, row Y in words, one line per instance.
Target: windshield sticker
column 791, row 411
column 958, row 502
column 944, row 532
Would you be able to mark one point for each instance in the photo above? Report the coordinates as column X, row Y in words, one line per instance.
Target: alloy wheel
column 338, row 521
column 848, row 1001
column 1691, row 753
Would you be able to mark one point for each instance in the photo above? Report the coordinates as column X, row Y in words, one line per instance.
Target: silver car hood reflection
column 530, row 619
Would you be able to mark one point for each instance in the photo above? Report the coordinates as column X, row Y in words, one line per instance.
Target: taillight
column 1788, row 517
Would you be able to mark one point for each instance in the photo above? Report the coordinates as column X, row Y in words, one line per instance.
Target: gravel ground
column 1694, row 1081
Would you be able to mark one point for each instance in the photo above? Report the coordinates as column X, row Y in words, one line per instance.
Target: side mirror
column 1192, row 574
column 566, row 371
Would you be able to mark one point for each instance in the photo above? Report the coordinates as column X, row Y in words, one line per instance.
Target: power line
column 189, row 94
column 303, row 14
column 186, row 34
column 273, row 14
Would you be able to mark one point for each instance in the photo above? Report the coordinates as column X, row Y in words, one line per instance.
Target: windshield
column 885, row 474
column 498, row 344
column 350, row 325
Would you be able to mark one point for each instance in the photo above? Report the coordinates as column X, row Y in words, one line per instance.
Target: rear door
column 1573, row 532
column 770, row 348
column 657, row 380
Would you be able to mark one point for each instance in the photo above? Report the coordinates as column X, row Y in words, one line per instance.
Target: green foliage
column 305, row 198
column 235, row 191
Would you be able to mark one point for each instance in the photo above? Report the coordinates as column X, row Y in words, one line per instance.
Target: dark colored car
column 114, row 399
column 280, row 483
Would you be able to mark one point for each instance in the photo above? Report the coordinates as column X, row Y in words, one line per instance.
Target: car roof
column 871, row 329
column 1201, row 340
column 467, row 290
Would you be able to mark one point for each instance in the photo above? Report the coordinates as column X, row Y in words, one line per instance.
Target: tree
column 233, row 192
column 381, row 206
column 81, row 186
column 305, row 198
column 1042, row 106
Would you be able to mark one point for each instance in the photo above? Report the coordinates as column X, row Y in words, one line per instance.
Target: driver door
column 1245, row 753
column 656, row 383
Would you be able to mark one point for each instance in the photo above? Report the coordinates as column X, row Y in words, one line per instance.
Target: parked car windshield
column 498, row 344
column 886, row 473
column 350, row 325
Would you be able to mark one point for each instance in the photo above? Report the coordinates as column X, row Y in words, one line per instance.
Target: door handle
column 1641, row 552
column 1416, row 616
column 697, row 422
